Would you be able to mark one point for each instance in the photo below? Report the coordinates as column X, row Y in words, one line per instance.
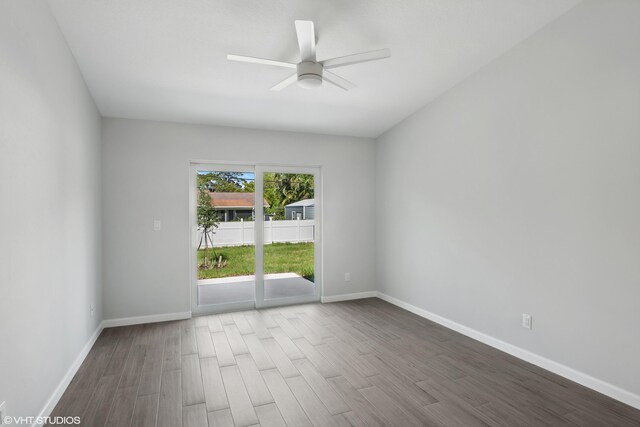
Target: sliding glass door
column 255, row 236
column 288, row 257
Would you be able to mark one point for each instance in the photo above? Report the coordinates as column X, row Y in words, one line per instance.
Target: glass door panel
column 289, row 255
column 225, row 238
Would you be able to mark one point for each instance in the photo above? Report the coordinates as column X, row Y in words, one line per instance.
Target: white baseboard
column 347, row 297
column 586, row 380
column 138, row 320
column 66, row 380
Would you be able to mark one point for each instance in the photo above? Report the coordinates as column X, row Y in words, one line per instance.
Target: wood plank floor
column 359, row 363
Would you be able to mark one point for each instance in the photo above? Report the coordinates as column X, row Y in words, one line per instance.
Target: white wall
column 49, row 193
column 526, row 180
column 146, row 176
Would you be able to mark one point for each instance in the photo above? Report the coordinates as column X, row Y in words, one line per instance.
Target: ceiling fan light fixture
column 309, row 81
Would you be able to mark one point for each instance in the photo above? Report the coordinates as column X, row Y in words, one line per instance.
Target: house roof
column 233, row 200
column 305, row 202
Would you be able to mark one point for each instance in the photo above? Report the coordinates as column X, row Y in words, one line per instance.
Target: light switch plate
column 526, row 321
column 157, row 225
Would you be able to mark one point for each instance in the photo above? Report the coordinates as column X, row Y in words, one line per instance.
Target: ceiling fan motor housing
column 309, row 74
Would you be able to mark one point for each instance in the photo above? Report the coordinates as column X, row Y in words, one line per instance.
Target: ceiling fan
column 311, row 73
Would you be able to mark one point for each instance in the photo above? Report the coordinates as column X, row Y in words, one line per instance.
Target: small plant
column 220, row 262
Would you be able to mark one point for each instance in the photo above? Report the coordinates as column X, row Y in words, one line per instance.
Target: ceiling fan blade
column 253, row 60
column 286, row 82
column 306, row 40
column 337, row 80
column 356, row 58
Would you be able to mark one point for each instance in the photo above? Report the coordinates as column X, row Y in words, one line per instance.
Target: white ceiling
column 166, row 59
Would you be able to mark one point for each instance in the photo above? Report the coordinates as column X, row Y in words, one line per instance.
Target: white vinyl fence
column 239, row 233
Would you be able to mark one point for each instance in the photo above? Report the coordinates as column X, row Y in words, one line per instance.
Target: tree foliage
column 232, row 182
column 207, row 214
column 280, row 189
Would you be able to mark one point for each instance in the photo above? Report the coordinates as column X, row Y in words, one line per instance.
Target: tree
column 207, row 222
column 280, row 189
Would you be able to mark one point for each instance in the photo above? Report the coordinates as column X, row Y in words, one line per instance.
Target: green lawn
column 278, row 258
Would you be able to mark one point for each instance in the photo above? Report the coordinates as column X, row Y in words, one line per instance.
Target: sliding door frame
column 258, row 169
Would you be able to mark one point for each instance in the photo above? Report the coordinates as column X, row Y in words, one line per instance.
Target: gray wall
column 525, row 180
column 310, row 212
column 146, row 176
column 306, row 212
column 49, row 194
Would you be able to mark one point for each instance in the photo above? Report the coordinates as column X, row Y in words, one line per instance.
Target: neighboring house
column 234, row 206
column 304, row 209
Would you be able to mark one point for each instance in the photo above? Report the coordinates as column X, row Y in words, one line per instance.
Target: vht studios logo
column 41, row 420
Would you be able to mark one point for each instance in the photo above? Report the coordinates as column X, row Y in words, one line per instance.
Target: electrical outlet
column 157, row 225
column 347, row 277
column 526, row 321
column 91, row 310
column 3, row 413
